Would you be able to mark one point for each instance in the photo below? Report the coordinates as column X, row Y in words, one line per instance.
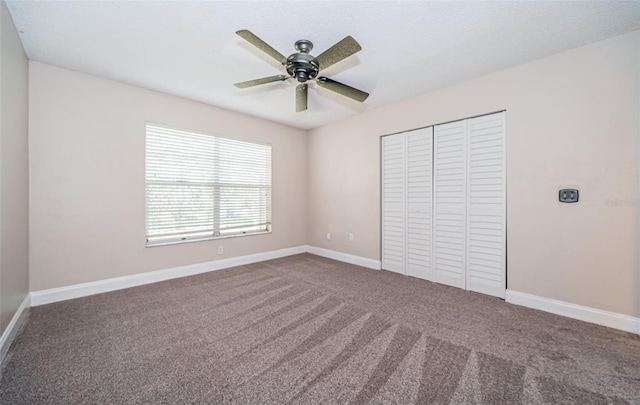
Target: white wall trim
column 13, row 327
column 611, row 319
column 111, row 284
column 605, row 318
column 345, row 257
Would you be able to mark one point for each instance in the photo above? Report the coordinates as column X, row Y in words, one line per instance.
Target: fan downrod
column 302, row 66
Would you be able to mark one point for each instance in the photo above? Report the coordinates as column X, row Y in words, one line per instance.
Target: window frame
column 216, row 186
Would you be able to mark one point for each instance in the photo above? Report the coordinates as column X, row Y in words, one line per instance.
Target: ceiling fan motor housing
column 302, row 66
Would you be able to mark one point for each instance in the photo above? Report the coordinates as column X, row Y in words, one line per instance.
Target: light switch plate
column 569, row 195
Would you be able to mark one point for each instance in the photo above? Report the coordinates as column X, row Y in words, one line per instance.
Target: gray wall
column 14, row 170
column 86, row 145
column 572, row 122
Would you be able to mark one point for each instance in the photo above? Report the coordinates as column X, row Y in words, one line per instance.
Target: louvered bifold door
column 418, row 209
column 393, row 202
column 449, row 232
column 486, row 200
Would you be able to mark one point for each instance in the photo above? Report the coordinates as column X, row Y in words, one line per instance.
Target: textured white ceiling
column 189, row 48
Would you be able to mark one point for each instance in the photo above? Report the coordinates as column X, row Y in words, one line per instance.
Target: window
column 202, row 186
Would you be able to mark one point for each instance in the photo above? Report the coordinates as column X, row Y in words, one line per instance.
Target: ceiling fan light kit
column 304, row 67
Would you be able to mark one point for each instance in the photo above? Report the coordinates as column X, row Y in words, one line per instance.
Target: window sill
column 178, row 242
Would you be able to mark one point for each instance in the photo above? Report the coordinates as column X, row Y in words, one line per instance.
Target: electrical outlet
column 328, row 235
column 351, row 236
column 568, row 195
column 220, row 250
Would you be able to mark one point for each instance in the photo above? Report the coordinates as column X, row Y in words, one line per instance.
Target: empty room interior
column 278, row 202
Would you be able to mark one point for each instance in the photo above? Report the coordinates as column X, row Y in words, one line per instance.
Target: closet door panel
column 419, row 197
column 393, row 203
column 449, row 232
column 486, row 205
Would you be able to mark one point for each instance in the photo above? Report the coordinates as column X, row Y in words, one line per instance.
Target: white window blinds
column 201, row 186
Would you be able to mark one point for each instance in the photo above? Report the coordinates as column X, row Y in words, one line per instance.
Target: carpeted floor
column 309, row 330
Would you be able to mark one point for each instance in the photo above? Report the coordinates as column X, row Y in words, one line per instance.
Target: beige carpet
column 309, row 330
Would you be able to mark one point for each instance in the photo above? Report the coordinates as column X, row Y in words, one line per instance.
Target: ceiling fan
column 303, row 67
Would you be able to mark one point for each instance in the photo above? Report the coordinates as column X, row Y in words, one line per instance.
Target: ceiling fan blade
column 343, row 49
column 263, row 46
column 301, row 97
column 264, row 80
column 343, row 89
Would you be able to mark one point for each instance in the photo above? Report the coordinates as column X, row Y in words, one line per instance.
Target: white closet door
column 450, row 204
column 393, row 202
column 418, row 210
column 486, row 209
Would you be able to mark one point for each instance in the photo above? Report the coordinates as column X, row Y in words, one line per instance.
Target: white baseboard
column 12, row 329
column 597, row 316
column 605, row 318
column 345, row 257
column 118, row 283
column 96, row 287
